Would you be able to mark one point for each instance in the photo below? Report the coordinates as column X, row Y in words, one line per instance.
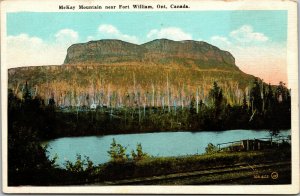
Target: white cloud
column 220, row 41
column 172, row 33
column 25, row 50
column 106, row 28
column 14, row 41
column 111, row 32
column 255, row 54
column 66, row 36
column 246, row 34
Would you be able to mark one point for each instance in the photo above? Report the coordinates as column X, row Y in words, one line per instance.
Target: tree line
column 263, row 107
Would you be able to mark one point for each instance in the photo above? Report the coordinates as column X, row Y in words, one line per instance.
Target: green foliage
column 27, row 95
column 80, row 165
column 155, row 166
column 68, row 84
column 139, row 154
column 215, row 113
column 211, row 149
column 216, row 95
column 117, row 152
column 245, row 104
column 26, row 156
column 256, row 96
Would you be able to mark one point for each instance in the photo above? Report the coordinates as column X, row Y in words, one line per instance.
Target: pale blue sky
column 201, row 25
column 257, row 39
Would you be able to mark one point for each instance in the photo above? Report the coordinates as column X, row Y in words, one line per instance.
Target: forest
column 266, row 107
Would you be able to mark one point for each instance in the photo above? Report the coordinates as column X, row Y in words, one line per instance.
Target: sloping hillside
column 116, row 73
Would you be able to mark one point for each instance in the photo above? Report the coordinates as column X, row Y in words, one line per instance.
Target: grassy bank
column 155, row 166
column 83, row 172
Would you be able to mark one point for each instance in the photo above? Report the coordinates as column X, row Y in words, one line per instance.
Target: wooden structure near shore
column 254, row 144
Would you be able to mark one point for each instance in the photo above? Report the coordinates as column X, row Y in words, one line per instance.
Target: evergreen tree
column 255, row 97
column 139, row 155
column 117, row 152
column 27, row 94
column 281, row 93
column 193, row 106
column 269, row 98
column 217, row 98
column 245, row 104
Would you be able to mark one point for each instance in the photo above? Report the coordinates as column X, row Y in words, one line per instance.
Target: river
column 156, row 144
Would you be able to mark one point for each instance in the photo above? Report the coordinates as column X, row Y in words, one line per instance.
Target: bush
column 117, row 152
column 80, row 165
column 139, row 155
column 211, row 149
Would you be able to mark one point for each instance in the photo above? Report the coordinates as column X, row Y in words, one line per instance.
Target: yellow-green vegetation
column 182, row 167
column 135, row 84
column 265, row 107
column 125, row 169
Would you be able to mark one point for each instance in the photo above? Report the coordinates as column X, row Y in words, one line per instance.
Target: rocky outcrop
column 189, row 49
column 103, row 51
column 160, row 51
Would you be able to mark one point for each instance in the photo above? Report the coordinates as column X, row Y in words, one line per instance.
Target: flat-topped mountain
column 162, row 51
column 120, row 73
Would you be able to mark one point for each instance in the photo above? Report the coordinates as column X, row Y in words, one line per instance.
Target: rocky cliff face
column 194, row 50
column 103, row 51
column 198, row 53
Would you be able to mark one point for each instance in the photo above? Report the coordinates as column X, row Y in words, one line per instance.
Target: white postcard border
column 292, row 61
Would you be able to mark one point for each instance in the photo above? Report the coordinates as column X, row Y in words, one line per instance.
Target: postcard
column 150, row 97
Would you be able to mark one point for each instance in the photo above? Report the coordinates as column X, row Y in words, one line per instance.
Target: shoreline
column 175, row 131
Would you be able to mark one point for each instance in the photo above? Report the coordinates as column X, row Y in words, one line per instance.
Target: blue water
column 156, row 144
